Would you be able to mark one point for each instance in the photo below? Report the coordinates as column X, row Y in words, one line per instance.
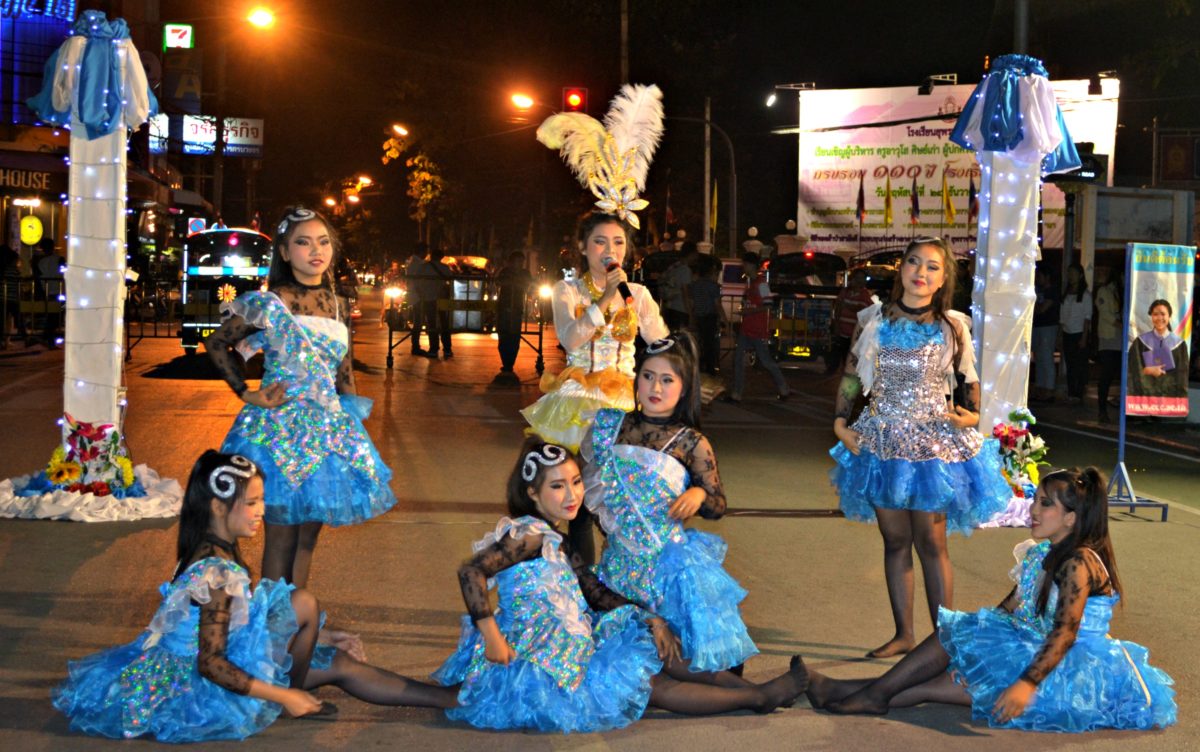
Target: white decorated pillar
column 1014, row 125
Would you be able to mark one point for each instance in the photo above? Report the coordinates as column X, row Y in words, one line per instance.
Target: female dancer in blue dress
column 647, row 473
column 911, row 461
column 220, row 660
column 303, row 425
column 563, row 652
column 1042, row 660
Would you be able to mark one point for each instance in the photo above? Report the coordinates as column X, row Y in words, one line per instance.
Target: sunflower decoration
column 64, row 472
column 226, row 293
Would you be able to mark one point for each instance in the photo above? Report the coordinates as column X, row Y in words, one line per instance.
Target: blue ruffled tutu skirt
column 699, row 600
column 1101, row 683
column 969, row 493
column 335, row 493
column 126, row 691
column 522, row 695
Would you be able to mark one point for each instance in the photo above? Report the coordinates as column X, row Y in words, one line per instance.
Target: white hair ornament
column 548, row 455
column 223, row 480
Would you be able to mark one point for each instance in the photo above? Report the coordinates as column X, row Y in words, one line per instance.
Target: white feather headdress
column 611, row 159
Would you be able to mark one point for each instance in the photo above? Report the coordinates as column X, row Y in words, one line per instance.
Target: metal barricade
column 470, row 307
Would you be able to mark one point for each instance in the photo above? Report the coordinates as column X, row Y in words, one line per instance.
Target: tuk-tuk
column 806, row 283
column 218, row 265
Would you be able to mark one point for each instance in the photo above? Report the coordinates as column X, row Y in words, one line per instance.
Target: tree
column 425, row 187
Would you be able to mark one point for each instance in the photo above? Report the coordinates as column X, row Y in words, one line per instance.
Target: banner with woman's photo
column 1159, row 328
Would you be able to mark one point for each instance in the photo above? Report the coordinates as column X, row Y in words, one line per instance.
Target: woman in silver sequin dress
column 913, row 461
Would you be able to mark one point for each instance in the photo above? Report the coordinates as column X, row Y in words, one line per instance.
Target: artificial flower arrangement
column 1021, row 452
column 91, row 460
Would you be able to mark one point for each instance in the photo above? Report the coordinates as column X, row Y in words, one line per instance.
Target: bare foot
column 859, row 703
column 893, row 647
column 783, row 690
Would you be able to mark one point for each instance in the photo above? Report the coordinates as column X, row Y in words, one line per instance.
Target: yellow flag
column 947, row 204
column 887, row 202
column 712, row 220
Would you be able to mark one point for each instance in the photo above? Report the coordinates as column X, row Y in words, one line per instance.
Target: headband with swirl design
column 548, row 455
column 659, row 346
column 299, row 214
column 223, row 480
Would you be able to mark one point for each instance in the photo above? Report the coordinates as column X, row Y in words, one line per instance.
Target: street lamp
column 771, row 99
column 399, row 130
column 262, row 17
column 395, row 145
column 522, row 101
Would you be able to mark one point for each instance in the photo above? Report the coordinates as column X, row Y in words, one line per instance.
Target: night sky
column 332, row 76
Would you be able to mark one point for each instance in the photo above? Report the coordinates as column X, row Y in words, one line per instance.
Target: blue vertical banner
column 1159, row 328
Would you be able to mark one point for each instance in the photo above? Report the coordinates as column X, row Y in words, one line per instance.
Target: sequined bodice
column 544, row 616
column 612, row 346
column 906, row 416
column 1097, row 613
column 643, row 483
column 908, row 381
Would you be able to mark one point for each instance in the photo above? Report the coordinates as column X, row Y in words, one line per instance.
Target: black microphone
column 611, row 265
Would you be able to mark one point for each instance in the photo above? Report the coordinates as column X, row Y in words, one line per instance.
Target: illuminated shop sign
column 197, row 134
column 60, row 9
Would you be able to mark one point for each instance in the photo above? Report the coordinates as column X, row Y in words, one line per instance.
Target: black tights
column 288, row 552
column 364, row 681
column 921, row 676
column 901, row 531
column 680, row 690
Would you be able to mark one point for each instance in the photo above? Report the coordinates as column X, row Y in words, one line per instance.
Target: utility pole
column 707, row 170
column 624, row 42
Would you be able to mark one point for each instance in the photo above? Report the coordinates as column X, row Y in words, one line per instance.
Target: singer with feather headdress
column 598, row 315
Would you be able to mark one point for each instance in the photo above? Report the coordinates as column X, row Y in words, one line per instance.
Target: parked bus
column 218, row 265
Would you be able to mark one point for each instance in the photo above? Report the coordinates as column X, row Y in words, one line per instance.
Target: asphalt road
column 815, row 580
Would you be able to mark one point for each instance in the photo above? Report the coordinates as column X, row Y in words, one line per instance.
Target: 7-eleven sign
column 178, row 36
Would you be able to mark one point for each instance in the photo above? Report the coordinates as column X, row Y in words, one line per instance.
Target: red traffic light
column 574, row 99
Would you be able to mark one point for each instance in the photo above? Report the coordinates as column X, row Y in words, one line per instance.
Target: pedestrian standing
column 10, row 296
column 913, row 461
column 706, row 312
column 437, row 307
column 303, row 426
column 673, row 285
column 1109, row 307
column 513, row 281
column 1075, row 320
column 850, row 300
column 415, row 270
column 755, row 331
column 1044, row 337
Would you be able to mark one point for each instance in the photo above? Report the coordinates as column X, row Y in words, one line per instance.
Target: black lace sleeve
column 473, row 574
column 595, row 592
column 219, row 346
column 1077, row 578
column 850, row 387
column 702, row 466
column 214, row 635
column 345, row 373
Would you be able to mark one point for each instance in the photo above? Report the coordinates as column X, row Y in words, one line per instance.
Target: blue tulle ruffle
column 183, row 706
column 700, row 602
column 334, row 494
column 968, row 493
column 1101, row 683
column 614, row 692
column 909, row 334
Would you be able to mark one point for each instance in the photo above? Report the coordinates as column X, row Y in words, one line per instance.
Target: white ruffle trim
column 163, row 498
column 521, row 527
column 218, row 574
